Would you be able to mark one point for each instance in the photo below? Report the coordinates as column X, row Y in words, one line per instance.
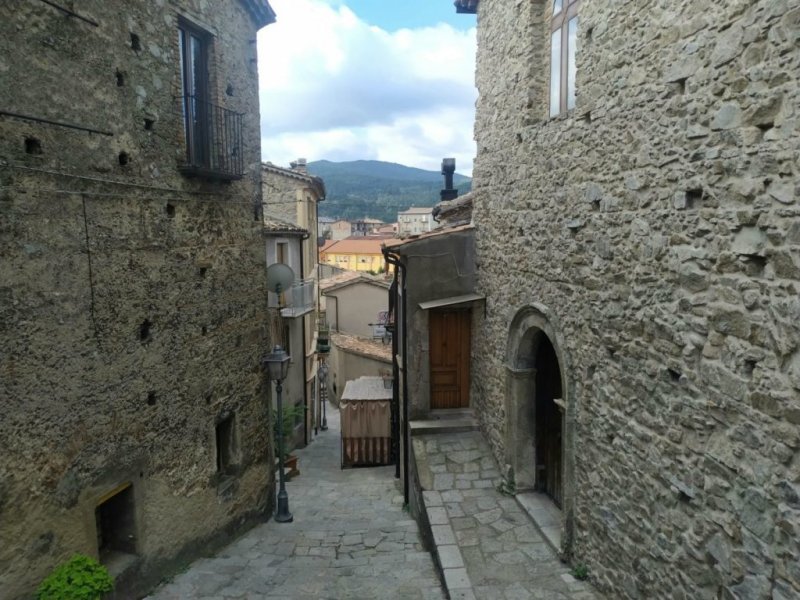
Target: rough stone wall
column 658, row 224
column 132, row 299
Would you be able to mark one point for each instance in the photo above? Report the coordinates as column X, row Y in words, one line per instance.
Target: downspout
column 395, row 261
column 305, row 367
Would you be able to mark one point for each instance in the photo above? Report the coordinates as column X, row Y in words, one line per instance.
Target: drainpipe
column 394, row 259
column 305, row 368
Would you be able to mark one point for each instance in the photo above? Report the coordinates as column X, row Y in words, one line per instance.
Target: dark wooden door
column 548, row 423
column 449, row 344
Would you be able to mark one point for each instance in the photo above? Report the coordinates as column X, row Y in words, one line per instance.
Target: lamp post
column 323, row 398
column 277, row 364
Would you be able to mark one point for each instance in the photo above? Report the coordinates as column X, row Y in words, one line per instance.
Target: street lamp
column 277, row 364
column 323, row 398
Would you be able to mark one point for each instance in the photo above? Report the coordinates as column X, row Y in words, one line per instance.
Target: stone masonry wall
column 659, row 224
column 132, row 299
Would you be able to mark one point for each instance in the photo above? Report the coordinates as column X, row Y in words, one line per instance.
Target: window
column 563, row 69
column 226, row 444
column 282, row 252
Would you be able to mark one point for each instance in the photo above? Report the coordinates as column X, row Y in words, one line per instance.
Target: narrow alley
column 350, row 538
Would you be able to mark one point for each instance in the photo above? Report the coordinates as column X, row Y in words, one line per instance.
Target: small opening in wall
column 610, row 438
column 120, row 78
column 114, row 519
column 226, row 444
column 33, row 146
column 749, row 367
column 144, row 330
column 202, row 272
column 229, row 90
column 148, row 124
column 208, row 398
column 680, row 86
column 203, row 330
column 170, row 210
column 589, row 34
column 766, row 126
column 519, row 138
column 151, row 399
column 693, row 197
column 141, row 474
column 136, row 44
column 754, row 264
column 587, row 116
column 674, row 375
column 611, row 352
column 123, row 158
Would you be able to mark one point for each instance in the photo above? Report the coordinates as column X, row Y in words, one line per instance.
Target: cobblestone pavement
column 350, row 539
column 487, row 545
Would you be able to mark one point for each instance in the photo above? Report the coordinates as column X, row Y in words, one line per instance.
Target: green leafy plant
column 80, row 578
column 290, row 416
column 580, row 571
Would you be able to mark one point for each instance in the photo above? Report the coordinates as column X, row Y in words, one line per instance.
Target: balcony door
column 194, row 45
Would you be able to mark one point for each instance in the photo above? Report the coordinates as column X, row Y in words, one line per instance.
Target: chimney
column 448, row 168
column 299, row 165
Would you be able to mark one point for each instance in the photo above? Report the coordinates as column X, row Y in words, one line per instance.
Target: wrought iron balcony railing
column 213, row 140
column 297, row 300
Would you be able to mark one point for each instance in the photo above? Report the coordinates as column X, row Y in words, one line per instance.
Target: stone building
column 293, row 196
column 133, row 304
column 640, row 364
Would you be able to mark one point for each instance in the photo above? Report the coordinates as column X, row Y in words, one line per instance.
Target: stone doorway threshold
column 545, row 514
column 445, row 421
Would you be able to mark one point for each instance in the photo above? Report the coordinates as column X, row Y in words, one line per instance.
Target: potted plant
column 290, row 416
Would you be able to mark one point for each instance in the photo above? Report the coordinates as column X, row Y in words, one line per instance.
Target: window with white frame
column 563, row 69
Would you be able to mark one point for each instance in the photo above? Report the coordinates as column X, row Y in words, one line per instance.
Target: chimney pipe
column 448, row 169
column 299, row 165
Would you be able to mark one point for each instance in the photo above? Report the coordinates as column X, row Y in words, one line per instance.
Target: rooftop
column 276, row 225
column 366, row 388
column 417, row 210
column 341, row 280
column 400, row 242
column 312, row 180
column 363, row 346
column 357, row 245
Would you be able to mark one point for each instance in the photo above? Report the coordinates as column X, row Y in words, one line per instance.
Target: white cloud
column 333, row 87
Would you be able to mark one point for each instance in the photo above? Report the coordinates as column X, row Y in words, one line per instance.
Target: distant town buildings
column 414, row 221
column 355, row 254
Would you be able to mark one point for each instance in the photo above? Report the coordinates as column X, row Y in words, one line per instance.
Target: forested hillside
column 371, row 188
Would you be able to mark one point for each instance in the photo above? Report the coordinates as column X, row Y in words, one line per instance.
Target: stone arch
column 535, row 359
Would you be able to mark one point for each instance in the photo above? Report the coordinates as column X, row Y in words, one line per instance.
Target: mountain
column 377, row 189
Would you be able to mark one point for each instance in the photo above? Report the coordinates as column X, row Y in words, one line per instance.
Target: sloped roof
column 342, row 280
column 363, row 346
column 398, row 244
column 358, row 245
column 312, row 180
column 261, row 12
column 275, row 225
column 417, row 210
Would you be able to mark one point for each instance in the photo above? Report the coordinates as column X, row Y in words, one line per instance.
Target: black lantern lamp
column 277, row 364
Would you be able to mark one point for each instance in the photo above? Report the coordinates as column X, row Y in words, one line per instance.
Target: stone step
column 445, row 421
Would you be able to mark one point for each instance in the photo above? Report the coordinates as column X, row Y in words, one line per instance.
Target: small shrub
column 80, row 578
column 580, row 571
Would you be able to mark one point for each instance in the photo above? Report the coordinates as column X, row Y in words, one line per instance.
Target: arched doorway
column 548, row 406
column 539, row 418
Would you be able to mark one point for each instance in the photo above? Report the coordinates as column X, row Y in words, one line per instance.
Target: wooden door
column 449, row 345
column 549, row 423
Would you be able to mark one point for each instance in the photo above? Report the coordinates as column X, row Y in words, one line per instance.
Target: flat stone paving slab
column 350, row 538
column 503, row 554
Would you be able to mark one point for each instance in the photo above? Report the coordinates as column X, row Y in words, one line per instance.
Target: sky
column 368, row 79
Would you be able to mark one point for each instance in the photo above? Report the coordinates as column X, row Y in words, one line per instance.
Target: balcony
column 213, row 140
column 297, row 301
